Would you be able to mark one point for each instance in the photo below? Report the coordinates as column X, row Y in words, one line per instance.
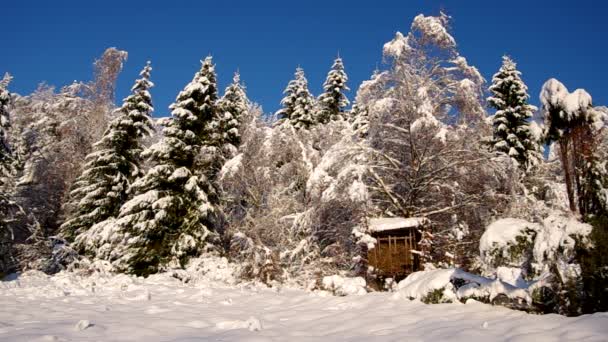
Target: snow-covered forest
column 510, row 201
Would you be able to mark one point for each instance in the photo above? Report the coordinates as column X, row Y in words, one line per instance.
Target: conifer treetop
column 333, row 101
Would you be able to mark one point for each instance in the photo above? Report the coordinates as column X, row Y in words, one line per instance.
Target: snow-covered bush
column 344, row 286
column 509, row 243
column 450, row 285
column 545, row 254
column 256, row 261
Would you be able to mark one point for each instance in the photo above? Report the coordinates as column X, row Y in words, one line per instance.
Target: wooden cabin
column 396, row 252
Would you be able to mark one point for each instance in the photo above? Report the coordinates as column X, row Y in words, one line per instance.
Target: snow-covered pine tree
column 289, row 100
column 6, row 166
column 101, row 189
column 232, row 106
column 168, row 219
column 6, row 159
column 298, row 103
column 333, row 101
column 359, row 118
column 512, row 134
column 303, row 110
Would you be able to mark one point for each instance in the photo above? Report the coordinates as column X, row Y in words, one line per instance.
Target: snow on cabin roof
column 382, row 224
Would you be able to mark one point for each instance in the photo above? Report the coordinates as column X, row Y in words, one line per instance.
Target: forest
column 514, row 198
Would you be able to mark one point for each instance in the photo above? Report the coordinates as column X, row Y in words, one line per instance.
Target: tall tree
column 5, row 152
column 576, row 125
column 102, row 187
column 232, row 106
column 298, row 103
column 6, row 173
column 169, row 218
column 511, row 134
column 333, row 101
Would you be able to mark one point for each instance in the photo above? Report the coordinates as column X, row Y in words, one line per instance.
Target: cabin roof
column 382, row 224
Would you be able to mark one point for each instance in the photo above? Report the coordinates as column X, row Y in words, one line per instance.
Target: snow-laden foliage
column 425, row 138
column 101, row 189
column 7, row 164
column 169, row 202
column 338, row 200
column 232, row 106
column 451, row 285
column 6, row 158
column 298, row 104
column 332, row 102
column 294, row 202
column 577, row 127
column 546, row 254
column 511, row 134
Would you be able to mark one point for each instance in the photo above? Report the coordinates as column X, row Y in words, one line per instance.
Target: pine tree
column 333, row 101
column 302, row 116
column 232, row 106
column 169, row 218
column 101, row 189
column 359, row 118
column 298, row 103
column 6, row 168
column 512, row 134
column 6, row 160
column 289, row 100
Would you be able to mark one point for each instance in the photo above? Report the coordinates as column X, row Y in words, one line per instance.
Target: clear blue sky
column 57, row 41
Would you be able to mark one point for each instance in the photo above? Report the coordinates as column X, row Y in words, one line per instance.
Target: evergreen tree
column 359, row 118
column 289, row 100
column 232, row 106
column 298, row 103
column 512, row 134
column 6, row 168
column 169, row 218
column 333, row 101
column 6, row 159
column 303, row 109
column 102, row 187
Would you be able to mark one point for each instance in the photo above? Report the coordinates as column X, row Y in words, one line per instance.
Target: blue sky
column 57, row 41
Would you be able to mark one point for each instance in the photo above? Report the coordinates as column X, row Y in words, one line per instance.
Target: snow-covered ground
column 100, row 307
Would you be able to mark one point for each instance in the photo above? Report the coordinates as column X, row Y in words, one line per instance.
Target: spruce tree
column 169, row 218
column 101, row 189
column 232, row 106
column 289, row 100
column 298, row 103
column 333, row 101
column 359, row 118
column 6, row 168
column 6, row 160
column 512, row 134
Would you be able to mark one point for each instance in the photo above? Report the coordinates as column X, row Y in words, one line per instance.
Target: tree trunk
column 567, row 165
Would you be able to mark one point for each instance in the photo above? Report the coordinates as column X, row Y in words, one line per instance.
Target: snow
column 433, row 29
column 556, row 237
column 344, row 286
column 231, row 167
column 36, row 307
column 503, row 232
column 420, row 284
column 397, row 47
column 391, row 223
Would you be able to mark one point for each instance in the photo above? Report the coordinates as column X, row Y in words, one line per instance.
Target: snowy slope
column 67, row 307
